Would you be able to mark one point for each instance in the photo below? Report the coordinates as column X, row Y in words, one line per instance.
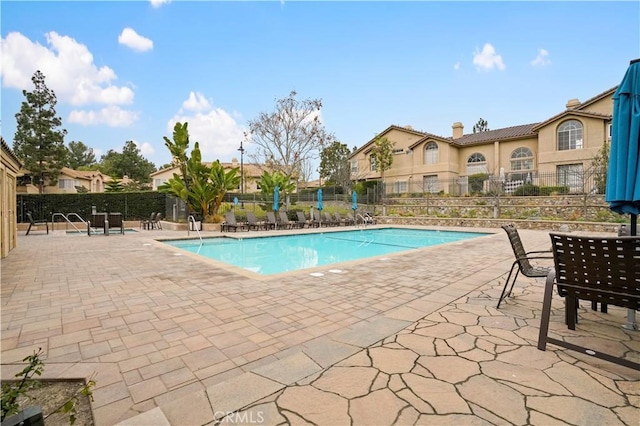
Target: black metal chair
column 522, row 263
column 36, row 223
column 605, row 270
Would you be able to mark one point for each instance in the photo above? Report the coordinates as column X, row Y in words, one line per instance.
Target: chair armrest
column 539, row 251
column 533, row 257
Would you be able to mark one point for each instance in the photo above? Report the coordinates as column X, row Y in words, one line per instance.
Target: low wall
column 546, row 225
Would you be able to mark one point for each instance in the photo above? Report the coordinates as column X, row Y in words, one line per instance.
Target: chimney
column 458, row 130
column 234, row 161
column 572, row 103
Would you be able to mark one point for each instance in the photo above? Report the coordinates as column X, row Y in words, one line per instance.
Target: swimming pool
column 277, row 254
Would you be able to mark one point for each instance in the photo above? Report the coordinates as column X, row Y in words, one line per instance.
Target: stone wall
column 546, row 225
column 569, row 208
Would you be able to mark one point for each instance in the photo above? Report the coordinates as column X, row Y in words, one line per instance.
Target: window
column 398, row 151
column 570, row 135
column 430, row 184
column 431, row 153
column 609, row 132
column 522, row 159
column 354, row 166
column 570, row 175
column 476, row 164
column 158, row 182
column 68, row 183
column 374, row 163
column 400, row 186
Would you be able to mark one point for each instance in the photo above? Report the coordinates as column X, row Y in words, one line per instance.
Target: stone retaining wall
column 546, row 225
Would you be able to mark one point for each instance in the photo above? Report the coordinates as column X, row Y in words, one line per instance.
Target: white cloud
column 542, row 59
column 215, row 129
column 112, row 116
column 196, row 102
column 456, row 66
column 130, row 38
column 158, row 3
column 67, row 65
column 488, row 58
column 146, row 149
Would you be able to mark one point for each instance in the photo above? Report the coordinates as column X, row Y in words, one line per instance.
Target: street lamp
column 241, row 149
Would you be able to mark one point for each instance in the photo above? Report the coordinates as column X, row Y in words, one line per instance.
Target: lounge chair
column 598, row 269
column 284, row 220
column 329, row 220
column 115, row 221
column 272, row 222
column 302, row 220
column 342, row 221
column 230, row 223
column 253, row 223
column 522, row 264
column 148, row 223
column 36, row 223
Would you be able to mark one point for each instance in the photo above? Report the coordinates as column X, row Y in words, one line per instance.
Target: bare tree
column 288, row 137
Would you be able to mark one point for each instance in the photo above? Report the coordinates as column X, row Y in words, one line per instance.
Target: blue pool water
column 277, row 254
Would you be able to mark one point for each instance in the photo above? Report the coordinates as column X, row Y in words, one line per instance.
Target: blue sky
column 129, row 70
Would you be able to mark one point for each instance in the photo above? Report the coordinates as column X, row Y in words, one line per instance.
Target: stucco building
column 9, row 169
column 561, row 146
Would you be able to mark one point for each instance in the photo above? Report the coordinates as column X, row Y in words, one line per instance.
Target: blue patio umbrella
column 354, row 201
column 320, row 206
column 276, row 198
column 623, row 174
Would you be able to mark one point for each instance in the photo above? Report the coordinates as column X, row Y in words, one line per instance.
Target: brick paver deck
column 412, row 338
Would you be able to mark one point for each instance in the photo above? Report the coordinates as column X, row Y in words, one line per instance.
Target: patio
column 177, row 340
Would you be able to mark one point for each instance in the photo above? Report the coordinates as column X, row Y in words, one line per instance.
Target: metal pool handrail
column 195, row 226
column 67, row 219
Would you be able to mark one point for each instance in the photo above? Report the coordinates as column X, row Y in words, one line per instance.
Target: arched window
column 476, row 164
column 521, row 159
column 431, row 153
column 570, row 135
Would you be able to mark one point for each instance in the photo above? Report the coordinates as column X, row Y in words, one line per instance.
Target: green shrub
column 549, row 190
column 527, row 190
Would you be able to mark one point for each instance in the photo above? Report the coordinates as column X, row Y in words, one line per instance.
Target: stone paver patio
column 412, row 338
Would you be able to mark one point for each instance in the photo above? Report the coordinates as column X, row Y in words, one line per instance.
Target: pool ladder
column 68, row 221
column 364, row 221
column 195, row 226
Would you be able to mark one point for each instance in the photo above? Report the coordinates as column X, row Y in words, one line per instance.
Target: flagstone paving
column 405, row 339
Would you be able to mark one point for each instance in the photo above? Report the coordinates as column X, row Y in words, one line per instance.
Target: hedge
column 132, row 205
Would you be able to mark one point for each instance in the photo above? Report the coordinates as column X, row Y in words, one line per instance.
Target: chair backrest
column 283, row 217
column 158, row 217
column 152, row 217
column 251, row 218
column 328, row 218
column 115, row 220
column 518, row 249
column 602, row 269
column 97, row 220
column 338, row 217
column 301, row 216
column 30, row 218
column 230, row 218
column 271, row 218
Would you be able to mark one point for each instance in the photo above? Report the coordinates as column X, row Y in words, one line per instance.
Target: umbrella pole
column 634, row 225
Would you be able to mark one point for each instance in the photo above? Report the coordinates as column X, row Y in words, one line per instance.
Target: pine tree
column 39, row 141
